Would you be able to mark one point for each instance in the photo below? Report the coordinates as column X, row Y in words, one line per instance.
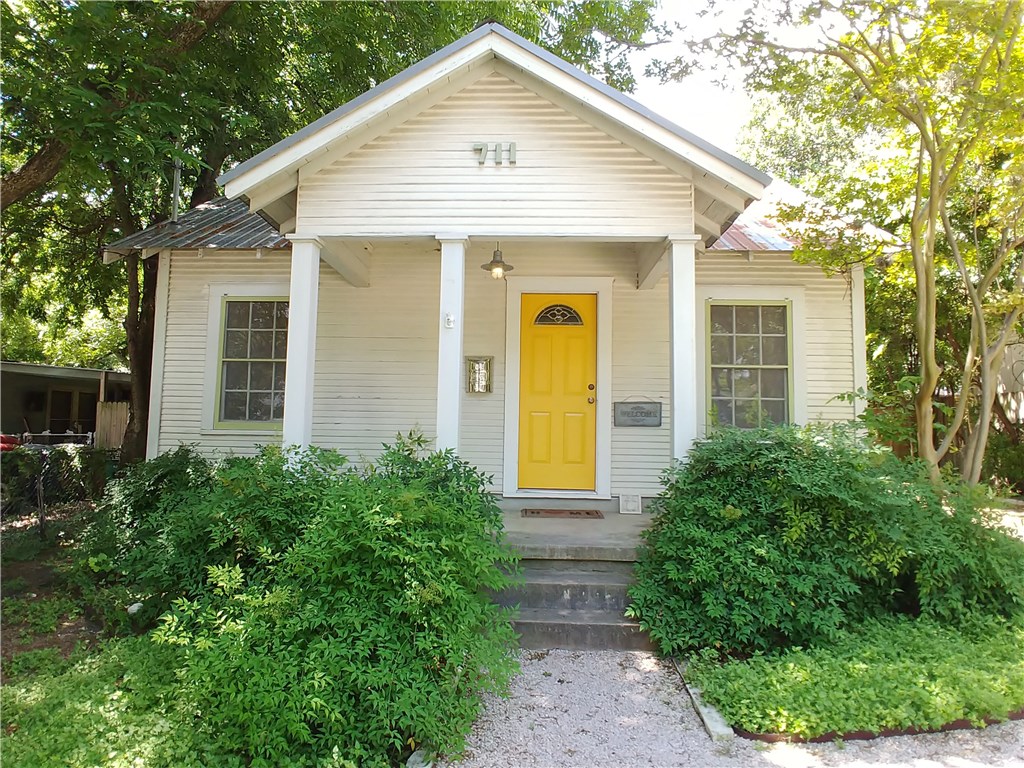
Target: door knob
column 590, row 400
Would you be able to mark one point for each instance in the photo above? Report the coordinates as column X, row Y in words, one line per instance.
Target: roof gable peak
column 269, row 179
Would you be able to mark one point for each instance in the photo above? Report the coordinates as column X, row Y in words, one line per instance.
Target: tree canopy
column 906, row 116
column 101, row 98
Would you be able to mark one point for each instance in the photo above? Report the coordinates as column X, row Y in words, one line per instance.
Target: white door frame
column 516, row 287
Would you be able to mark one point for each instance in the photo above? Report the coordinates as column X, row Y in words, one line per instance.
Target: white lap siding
column 639, row 354
column 425, row 177
column 188, row 352
column 376, row 356
column 376, row 351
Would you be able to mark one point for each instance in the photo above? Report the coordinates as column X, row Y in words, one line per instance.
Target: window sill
column 213, row 431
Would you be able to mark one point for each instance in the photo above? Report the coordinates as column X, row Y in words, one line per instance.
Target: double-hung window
column 750, row 363
column 253, row 349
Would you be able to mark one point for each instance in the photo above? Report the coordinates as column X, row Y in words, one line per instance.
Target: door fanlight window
column 558, row 314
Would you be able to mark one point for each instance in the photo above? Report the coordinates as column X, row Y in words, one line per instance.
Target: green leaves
column 321, row 611
column 767, row 539
column 896, row 673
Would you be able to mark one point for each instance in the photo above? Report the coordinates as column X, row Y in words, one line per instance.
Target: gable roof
column 269, row 180
column 460, row 44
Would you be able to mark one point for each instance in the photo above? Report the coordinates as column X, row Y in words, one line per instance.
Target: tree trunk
column 138, row 327
column 923, row 252
column 214, row 154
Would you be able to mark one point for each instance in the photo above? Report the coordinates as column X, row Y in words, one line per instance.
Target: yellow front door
column 557, row 391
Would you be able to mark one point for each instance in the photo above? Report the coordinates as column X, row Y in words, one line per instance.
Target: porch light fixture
column 496, row 266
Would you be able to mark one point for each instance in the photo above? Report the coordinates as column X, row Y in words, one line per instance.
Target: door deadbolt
column 590, row 387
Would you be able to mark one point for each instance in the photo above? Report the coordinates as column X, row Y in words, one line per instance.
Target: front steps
column 573, row 596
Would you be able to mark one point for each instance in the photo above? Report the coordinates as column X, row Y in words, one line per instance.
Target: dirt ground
column 31, row 569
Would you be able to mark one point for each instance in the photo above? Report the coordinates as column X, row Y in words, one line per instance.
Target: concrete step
column 613, row 568
column 572, row 589
column 579, row 630
column 552, row 548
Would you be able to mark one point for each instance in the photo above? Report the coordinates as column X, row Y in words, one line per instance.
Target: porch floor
column 614, row 538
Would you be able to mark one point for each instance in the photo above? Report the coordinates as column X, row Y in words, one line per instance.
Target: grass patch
column 892, row 674
column 115, row 706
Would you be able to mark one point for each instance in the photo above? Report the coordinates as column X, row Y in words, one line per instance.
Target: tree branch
column 47, row 161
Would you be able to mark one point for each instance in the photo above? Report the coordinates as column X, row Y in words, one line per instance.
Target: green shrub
column 772, row 538
column 897, row 673
column 149, row 539
column 370, row 634
column 1004, row 461
column 20, row 469
column 162, row 525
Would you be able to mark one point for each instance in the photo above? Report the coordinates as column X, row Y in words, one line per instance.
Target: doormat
column 573, row 514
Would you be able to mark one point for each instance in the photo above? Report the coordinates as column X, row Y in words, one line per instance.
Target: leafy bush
column 1004, row 461
column 897, row 673
column 773, row 538
column 149, row 539
column 324, row 614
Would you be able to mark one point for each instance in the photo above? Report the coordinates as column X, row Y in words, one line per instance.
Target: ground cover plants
column 895, row 673
column 289, row 609
column 788, row 541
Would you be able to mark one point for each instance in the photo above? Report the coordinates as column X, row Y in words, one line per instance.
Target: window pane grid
column 749, row 364
column 253, row 360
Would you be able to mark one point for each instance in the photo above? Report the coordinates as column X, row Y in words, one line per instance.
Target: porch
column 396, row 343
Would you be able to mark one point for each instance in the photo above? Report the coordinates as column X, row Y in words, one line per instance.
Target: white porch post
column 449, row 341
column 302, row 303
column 682, row 276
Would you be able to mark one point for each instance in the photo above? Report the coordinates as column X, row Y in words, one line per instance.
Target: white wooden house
column 636, row 309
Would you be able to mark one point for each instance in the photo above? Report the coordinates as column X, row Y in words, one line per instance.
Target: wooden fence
column 111, row 420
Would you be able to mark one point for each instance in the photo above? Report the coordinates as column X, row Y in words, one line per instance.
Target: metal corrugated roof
column 63, row 371
column 219, row 223
column 522, row 42
column 758, row 229
column 755, row 230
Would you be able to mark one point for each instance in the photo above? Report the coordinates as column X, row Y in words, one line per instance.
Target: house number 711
column 504, row 152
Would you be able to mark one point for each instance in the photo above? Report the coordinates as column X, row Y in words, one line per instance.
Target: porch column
column 449, row 341
column 302, row 303
column 682, row 290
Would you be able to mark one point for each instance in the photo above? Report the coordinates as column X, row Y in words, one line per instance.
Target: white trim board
column 159, row 362
column 515, row 288
column 860, row 336
column 217, row 291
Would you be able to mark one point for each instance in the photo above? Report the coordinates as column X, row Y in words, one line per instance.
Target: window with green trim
column 751, row 366
column 252, row 364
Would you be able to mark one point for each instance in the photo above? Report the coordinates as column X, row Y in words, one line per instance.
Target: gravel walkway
column 590, row 709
